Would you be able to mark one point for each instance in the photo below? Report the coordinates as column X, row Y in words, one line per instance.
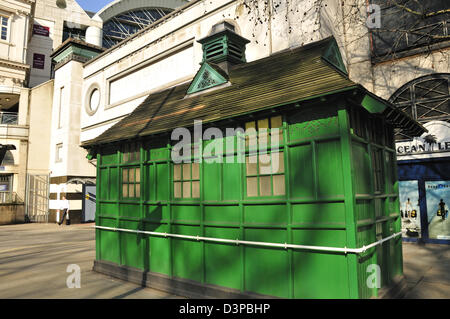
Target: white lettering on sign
column 434, row 143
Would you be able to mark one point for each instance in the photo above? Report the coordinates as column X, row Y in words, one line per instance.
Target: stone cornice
column 15, row 65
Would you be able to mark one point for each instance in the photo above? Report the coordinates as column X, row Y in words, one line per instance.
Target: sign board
column 38, row 61
column 434, row 143
column 41, row 30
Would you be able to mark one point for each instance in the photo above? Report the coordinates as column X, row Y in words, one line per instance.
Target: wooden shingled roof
column 282, row 78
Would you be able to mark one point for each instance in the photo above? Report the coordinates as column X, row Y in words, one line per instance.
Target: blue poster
column 438, row 200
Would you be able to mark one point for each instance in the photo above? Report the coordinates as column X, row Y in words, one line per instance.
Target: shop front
column 424, row 184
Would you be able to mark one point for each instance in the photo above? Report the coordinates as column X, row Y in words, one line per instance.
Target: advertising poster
column 409, row 208
column 438, row 200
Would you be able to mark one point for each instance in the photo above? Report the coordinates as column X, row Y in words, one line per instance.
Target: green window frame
column 131, row 182
column 262, row 179
column 186, row 180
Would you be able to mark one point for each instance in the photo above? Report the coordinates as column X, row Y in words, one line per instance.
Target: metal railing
column 344, row 250
column 9, row 118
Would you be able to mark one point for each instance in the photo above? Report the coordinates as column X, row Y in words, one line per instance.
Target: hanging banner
column 409, row 208
column 438, row 200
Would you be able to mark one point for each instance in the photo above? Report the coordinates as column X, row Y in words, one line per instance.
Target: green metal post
column 350, row 202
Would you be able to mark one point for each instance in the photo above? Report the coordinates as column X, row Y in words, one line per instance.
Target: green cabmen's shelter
column 316, row 216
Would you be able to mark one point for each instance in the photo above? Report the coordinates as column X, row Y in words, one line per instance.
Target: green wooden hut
column 313, row 227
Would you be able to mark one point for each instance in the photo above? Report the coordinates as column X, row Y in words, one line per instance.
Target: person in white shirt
column 64, row 207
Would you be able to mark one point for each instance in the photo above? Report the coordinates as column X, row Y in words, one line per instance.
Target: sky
column 93, row 5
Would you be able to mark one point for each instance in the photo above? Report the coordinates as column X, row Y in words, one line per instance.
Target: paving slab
column 34, row 260
column 427, row 270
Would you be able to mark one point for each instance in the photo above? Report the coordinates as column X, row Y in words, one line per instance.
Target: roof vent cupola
column 224, row 46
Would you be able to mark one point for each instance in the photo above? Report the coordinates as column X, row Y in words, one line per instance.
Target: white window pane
column 278, row 185
column 138, row 175
column 264, row 164
column 265, row 188
column 252, row 186
column 250, row 125
column 177, row 189
column 186, row 189
column 276, row 121
column 177, row 172
column 251, row 165
column 278, row 162
column 195, row 189
column 125, row 190
column 138, row 190
column 131, row 190
column 124, row 175
column 195, row 171
column 131, row 173
column 186, row 171
column 264, row 123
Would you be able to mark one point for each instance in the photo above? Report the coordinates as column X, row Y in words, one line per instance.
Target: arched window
column 424, row 99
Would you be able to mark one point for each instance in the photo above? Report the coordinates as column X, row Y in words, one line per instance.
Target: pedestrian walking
column 64, row 207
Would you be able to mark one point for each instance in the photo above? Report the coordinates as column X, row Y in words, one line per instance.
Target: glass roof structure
column 125, row 24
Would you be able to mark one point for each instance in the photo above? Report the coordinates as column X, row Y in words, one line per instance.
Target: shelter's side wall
column 313, row 212
column 377, row 202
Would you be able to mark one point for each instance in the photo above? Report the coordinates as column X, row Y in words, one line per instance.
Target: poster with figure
column 438, row 201
column 409, row 208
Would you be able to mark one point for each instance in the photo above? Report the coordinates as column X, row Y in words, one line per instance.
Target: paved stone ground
column 34, row 259
column 427, row 270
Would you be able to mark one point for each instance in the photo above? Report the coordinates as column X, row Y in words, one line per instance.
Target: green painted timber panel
column 320, row 274
column 156, row 213
column 183, row 213
column 314, row 129
column 222, row 261
column 129, row 210
column 113, row 183
column 212, row 183
column 329, row 171
column 131, row 245
column 266, row 269
column 302, row 174
column 274, row 215
column 109, row 156
column 159, row 254
column 108, row 209
column 162, row 181
column 231, row 179
column 332, row 214
column 361, row 168
column 109, row 241
column 222, row 214
column 186, row 254
column 104, row 178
